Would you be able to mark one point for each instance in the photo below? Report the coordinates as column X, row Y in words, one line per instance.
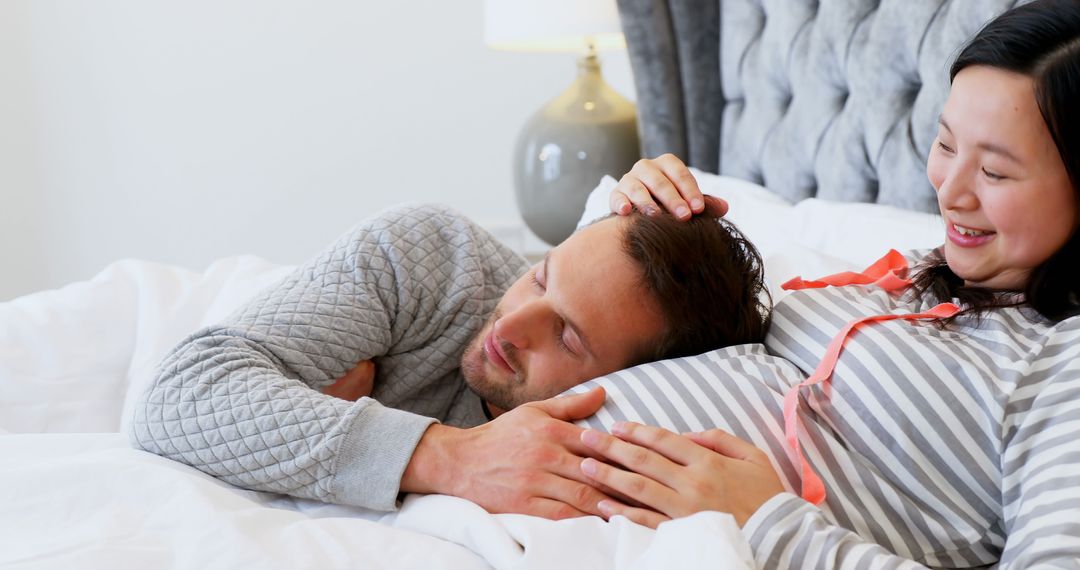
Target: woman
column 961, row 441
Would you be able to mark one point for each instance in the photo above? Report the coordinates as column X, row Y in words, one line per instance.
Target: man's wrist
column 430, row 468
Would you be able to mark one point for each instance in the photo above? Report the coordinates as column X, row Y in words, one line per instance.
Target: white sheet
column 90, row 501
column 73, row 494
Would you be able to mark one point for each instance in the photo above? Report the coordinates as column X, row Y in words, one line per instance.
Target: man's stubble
column 500, row 394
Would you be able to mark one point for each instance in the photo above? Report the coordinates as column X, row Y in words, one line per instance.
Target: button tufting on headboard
column 813, row 97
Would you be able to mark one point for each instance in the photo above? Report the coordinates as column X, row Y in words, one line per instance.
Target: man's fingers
column 644, row 517
column 574, row 406
column 581, row 496
column 554, row 510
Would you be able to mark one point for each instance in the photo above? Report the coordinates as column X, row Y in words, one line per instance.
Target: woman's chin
column 962, row 268
column 976, row 276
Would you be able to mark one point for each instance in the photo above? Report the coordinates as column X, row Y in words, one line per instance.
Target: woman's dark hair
column 707, row 279
column 1040, row 40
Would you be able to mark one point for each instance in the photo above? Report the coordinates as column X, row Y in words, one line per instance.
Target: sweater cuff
column 373, row 457
column 764, row 529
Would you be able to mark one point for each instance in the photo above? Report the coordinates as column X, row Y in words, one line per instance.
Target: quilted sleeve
column 236, row 400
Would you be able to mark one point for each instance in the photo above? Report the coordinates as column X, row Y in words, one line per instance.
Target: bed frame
column 835, row 99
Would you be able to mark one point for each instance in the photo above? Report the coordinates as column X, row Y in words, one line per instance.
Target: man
column 462, row 331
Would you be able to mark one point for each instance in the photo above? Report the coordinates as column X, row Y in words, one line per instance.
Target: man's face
column 579, row 314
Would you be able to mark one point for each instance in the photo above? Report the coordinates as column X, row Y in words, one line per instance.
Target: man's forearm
column 430, row 470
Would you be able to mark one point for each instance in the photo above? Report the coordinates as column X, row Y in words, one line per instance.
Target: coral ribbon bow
column 885, row 273
column 889, row 273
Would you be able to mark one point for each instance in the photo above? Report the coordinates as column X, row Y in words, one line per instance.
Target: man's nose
column 520, row 327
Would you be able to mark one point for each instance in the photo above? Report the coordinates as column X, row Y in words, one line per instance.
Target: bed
column 811, row 118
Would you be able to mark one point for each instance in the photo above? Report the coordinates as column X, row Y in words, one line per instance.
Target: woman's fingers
column 633, row 189
column 619, row 203
column 715, row 207
column 658, row 180
column 689, row 194
column 638, row 487
column 670, row 444
column 636, row 458
column 726, row 444
column 664, row 183
column 644, row 517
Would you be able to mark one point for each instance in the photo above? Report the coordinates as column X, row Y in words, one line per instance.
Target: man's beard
column 499, row 393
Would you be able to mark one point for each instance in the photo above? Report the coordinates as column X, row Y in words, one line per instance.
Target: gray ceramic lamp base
column 567, row 147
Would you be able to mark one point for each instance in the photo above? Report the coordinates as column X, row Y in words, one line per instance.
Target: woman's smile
column 964, row 236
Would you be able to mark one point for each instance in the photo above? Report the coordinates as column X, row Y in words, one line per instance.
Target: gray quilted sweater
column 241, row 401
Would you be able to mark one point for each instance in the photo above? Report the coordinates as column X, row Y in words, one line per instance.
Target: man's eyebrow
column 568, row 322
column 989, row 147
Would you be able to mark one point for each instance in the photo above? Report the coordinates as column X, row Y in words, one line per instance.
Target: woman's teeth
column 970, row 232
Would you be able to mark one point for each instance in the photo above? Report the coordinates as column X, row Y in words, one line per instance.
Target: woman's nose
column 520, row 326
column 957, row 190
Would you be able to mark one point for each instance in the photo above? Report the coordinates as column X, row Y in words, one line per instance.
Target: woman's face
column 1001, row 185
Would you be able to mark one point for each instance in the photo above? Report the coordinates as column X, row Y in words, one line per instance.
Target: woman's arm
column 1040, row 461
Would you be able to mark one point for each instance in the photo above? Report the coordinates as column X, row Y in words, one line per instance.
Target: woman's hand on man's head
column 663, row 183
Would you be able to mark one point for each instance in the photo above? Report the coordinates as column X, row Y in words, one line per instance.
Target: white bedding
column 72, row 493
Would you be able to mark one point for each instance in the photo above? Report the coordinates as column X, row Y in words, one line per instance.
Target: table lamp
column 587, row 131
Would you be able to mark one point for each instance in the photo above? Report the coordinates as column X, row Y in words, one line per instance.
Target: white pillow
column 758, row 212
column 861, row 233
column 809, row 239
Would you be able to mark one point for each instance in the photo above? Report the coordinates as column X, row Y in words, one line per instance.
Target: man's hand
column 525, row 461
column 355, row 384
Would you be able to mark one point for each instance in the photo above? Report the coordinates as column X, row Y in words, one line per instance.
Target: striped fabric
column 944, row 448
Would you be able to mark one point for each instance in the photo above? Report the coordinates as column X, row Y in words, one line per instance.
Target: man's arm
column 236, row 400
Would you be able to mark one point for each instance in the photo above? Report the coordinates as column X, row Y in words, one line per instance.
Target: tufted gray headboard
column 837, row 99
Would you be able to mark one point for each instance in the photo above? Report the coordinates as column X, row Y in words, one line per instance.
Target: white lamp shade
column 552, row 25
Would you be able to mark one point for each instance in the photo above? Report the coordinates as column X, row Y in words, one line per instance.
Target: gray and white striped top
column 946, row 448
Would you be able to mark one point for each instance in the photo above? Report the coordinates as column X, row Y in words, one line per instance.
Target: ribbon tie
column 889, row 273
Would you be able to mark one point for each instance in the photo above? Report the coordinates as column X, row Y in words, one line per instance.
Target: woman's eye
column 536, row 281
column 992, row 176
column 942, row 146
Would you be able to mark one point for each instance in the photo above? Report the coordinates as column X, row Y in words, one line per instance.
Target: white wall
column 182, row 132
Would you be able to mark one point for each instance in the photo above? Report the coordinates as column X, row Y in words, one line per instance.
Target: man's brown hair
column 707, row 279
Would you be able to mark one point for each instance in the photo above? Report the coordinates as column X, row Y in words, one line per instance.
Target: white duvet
column 74, row 494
